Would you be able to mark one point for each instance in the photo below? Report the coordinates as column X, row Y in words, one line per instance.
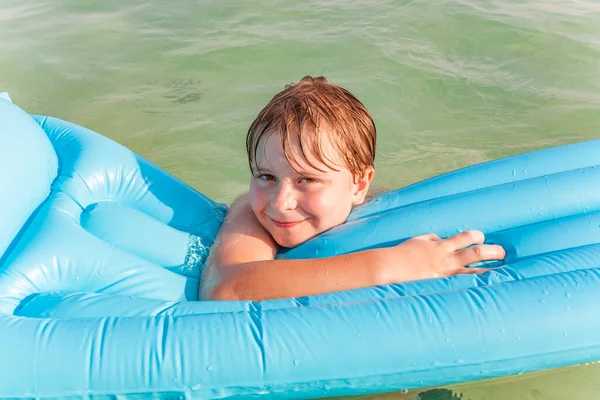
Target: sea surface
column 449, row 84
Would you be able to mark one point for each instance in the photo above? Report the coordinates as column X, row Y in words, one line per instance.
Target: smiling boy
column 311, row 152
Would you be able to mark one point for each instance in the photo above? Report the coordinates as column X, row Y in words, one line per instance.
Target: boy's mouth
column 285, row 224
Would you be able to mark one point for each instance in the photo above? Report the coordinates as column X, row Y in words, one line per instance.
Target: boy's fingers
column 480, row 253
column 465, row 239
column 428, row 236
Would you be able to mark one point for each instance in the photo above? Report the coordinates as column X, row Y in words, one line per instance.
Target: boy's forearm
column 262, row 280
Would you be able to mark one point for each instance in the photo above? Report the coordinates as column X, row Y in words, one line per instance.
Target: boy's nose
column 284, row 198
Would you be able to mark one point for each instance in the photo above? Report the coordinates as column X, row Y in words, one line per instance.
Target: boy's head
column 311, row 152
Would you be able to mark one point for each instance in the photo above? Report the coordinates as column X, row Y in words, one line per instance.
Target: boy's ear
column 362, row 186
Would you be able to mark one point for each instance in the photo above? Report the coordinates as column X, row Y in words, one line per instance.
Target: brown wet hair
column 310, row 109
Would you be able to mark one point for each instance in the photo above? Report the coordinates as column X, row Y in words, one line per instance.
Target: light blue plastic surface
column 101, row 253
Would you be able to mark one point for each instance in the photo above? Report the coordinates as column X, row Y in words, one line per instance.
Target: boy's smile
column 283, row 224
column 299, row 198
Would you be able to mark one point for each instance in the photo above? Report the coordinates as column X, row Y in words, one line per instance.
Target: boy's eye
column 265, row 177
column 308, row 180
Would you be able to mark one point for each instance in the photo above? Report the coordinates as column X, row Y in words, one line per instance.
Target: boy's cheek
column 326, row 202
column 255, row 197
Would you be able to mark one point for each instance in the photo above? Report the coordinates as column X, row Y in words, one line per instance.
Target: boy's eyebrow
column 258, row 168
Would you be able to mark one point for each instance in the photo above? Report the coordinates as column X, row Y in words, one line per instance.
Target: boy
column 311, row 153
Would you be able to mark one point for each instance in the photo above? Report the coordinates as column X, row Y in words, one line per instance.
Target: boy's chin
column 291, row 242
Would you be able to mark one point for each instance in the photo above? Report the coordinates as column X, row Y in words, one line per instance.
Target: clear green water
column 449, row 83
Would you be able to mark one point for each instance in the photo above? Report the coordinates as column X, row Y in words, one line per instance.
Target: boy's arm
column 241, row 265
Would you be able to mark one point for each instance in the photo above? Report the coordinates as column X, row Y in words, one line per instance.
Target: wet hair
column 310, row 109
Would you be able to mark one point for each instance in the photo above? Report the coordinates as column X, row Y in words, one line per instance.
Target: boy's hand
column 429, row 256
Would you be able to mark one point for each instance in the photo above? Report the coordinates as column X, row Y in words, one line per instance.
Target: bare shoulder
column 242, row 238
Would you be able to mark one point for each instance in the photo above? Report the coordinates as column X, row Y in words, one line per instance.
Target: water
column 577, row 382
column 449, row 84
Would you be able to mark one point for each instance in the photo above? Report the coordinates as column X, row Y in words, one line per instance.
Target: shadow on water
column 574, row 382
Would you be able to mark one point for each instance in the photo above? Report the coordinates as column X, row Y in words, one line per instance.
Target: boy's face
column 295, row 202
